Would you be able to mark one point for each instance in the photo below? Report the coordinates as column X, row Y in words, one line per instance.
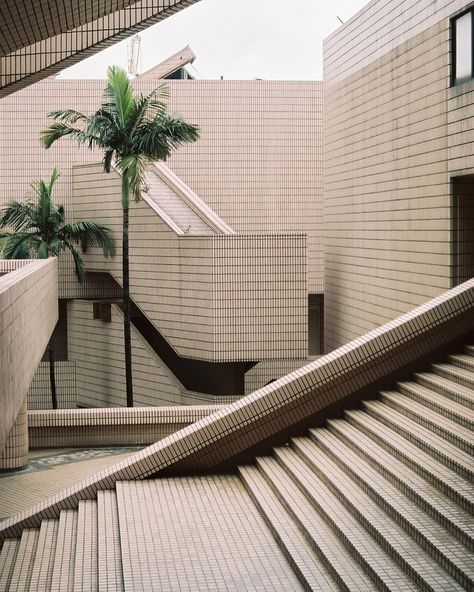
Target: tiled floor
column 48, row 471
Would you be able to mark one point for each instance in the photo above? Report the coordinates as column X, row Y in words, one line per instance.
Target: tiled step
column 85, row 563
column 110, row 575
column 7, row 561
column 345, row 547
column 423, row 438
column 423, row 391
column 469, row 350
column 299, row 553
column 447, row 480
column 197, row 533
column 462, row 361
column 459, row 375
column 396, row 522
column 44, row 561
column 444, row 386
column 434, row 502
column 64, row 560
column 444, row 427
column 23, row 568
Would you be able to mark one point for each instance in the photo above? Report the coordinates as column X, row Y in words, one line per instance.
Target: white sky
column 237, row 39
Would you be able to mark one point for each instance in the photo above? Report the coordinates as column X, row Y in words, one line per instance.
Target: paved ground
column 48, row 471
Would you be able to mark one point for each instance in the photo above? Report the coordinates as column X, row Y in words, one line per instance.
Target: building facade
column 398, row 160
column 236, row 288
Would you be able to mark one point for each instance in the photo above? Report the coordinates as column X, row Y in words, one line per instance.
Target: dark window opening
column 315, row 324
column 462, row 50
column 462, row 229
column 102, row 311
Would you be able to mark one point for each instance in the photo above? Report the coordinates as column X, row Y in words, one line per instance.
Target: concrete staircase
column 381, row 499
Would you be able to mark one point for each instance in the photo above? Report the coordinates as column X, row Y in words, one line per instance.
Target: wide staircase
column 381, row 499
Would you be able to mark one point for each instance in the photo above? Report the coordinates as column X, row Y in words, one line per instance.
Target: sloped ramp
column 178, row 206
column 381, row 499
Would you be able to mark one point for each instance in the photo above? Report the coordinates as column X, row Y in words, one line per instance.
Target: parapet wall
column 28, row 314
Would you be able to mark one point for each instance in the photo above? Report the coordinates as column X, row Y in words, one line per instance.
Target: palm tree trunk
column 126, row 293
column 52, row 377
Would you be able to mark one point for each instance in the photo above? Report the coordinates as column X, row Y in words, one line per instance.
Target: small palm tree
column 38, row 231
column 132, row 131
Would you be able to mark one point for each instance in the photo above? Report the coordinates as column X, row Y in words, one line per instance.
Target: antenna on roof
column 133, row 55
column 340, row 20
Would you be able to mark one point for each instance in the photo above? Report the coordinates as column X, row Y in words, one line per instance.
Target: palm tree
column 132, row 131
column 38, row 231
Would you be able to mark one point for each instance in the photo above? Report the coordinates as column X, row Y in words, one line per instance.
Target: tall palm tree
column 38, row 231
column 132, row 131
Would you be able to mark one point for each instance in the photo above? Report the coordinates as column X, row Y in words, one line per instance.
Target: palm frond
column 118, row 94
column 56, row 131
column 145, row 109
column 54, row 177
column 89, row 234
column 69, row 116
column 107, row 160
column 78, row 262
column 18, row 245
column 18, row 216
column 164, row 134
column 103, row 126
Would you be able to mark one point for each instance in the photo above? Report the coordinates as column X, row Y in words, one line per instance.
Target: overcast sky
column 237, row 39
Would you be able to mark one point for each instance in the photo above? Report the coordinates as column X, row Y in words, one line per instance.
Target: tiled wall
column 379, row 28
column 110, row 427
column 216, row 298
column 391, row 140
column 39, row 393
column 97, row 348
column 28, row 314
column 258, row 162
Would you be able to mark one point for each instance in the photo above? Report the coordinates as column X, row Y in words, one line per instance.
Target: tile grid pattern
column 395, row 135
column 249, row 291
column 68, row 43
column 346, row 511
column 110, row 426
column 288, row 401
column 28, row 314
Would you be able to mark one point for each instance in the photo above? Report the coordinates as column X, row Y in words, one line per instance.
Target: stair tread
column 64, row 560
column 423, row 435
column 408, row 478
column 330, row 545
column 188, row 533
column 357, row 496
column 85, row 563
column 431, row 397
column 44, row 561
column 455, row 430
column 424, row 461
column 23, row 568
column 110, row 576
column 463, row 359
column 469, row 349
column 377, row 553
column 7, row 561
column 461, row 392
column 463, row 373
column 315, row 574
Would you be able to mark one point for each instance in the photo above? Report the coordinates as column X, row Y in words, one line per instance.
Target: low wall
column 238, row 432
column 110, row 426
column 28, row 315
